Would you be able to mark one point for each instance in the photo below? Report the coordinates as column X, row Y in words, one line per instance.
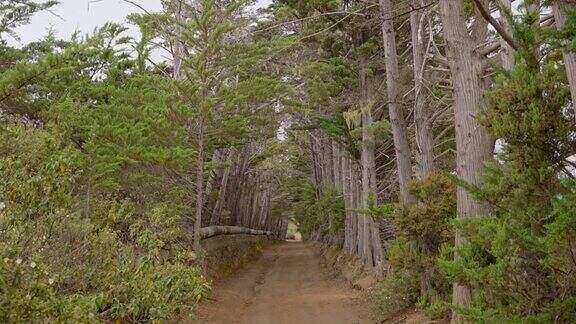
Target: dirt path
column 285, row 285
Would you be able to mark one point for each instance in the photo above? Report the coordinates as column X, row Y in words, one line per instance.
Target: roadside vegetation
column 432, row 139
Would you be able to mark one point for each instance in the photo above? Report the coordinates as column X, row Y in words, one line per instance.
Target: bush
column 421, row 233
column 58, row 265
column 26, row 294
column 399, row 290
column 519, row 260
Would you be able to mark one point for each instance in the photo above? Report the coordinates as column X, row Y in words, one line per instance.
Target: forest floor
column 286, row 284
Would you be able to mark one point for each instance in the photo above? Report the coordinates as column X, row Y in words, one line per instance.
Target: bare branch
column 499, row 28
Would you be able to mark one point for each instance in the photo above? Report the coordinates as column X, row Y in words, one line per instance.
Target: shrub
column 421, row 233
column 399, row 290
column 58, row 265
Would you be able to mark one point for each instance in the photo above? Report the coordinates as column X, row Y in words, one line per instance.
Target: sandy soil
column 285, row 285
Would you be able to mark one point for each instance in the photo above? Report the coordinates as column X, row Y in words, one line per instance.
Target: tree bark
column 219, row 206
column 359, row 224
column 347, row 203
column 211, row 231
column 372, row 249
column 316, row 166
column 397, row 120
column 507, row 50
column 422, row 116
column 199, row 185
column 336, row 165
column 178, row 45
column 474, row 145
column 569, row 57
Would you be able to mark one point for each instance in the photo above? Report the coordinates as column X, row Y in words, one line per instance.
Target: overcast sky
column 83, row 15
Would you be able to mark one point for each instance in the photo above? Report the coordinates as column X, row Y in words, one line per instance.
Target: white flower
column 6, row 260
column 28, row 297
column 32, row 264
column 2, row 206
column 18, row 261
column 50, row 281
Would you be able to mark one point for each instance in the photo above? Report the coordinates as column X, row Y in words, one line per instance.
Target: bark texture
column 211, row 231
column 199, row 186
column 559, row 9
column 397, row 119
column 422, row 115
column 474, row 144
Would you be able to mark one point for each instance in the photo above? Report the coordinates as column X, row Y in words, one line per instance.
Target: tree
column 215, row 75
column 397, row 119
column 422, row 114
column 474, row 144
column 559, row 9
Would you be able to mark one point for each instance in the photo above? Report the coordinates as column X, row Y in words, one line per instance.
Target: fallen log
column 211, row 231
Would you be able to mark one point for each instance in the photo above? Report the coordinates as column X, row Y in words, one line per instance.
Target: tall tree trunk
column 351, row 189
column 372, row 252
column 219, row 206
column 328, row 160
column 397, row 120
column 336, row 165
column 422, row 116
column 358, row 218
column 474, row 145
column 422, row 119
column 316, row 166
column 344, row 176
column 178, row 47
column 199, row 186
column 569, row 57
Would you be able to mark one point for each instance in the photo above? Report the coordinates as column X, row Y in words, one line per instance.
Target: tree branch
column 501, row 31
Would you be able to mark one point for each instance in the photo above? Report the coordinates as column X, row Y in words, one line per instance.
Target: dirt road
column 285, row 285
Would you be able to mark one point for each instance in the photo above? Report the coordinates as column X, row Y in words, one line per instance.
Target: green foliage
column 56, row 261
column 96, row 148
column 396, row 292
column 434, row 309
column 322, row 215
column 26, row 294
column 429, row 218
column 421, row 234
column 326, row 80
column 517, row 260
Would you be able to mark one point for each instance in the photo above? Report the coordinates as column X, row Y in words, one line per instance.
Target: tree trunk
column 316, row 166
column 397, row 121
column 569, row 57
column 474, row 145
column 344, row 176
column 178, row 50
column 219, row 206
column 372, row 249
column 336, row 166
column 199, row 186
column 359, row 229
column 328, row 161
column 211, row 231
column 422, row 116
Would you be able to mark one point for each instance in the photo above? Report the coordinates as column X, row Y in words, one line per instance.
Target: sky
column 83, row 15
